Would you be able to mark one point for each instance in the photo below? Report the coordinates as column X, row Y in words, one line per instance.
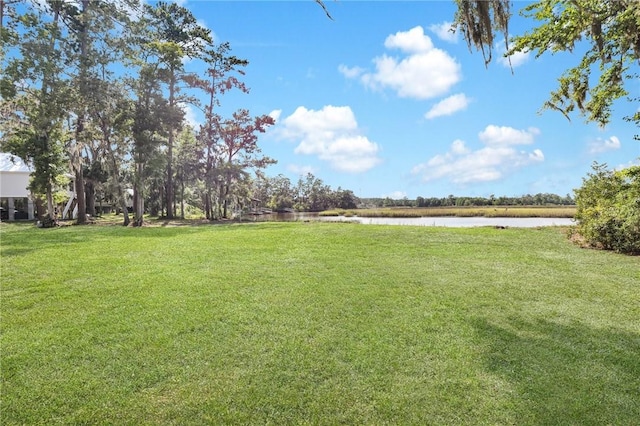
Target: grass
column 498, row 211
column 315, row 323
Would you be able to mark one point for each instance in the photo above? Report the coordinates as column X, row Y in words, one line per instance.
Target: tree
column 187, row 164
column 281, row 194
column 610, row 28
column 8, row 33
column 345, row 199
column 70, row 56
column 115, row 120
column 149, row 109
column 35, row 97
column 239, row 150
column 608, row 209
column 178, row 36
column 222, row 67
column 313, row 194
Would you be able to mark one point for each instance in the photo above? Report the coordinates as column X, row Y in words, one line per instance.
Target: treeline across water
column 539, row 199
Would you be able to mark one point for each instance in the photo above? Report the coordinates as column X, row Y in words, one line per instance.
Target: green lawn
column 315, row 323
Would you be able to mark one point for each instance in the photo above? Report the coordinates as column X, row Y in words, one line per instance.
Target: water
column 449, row 221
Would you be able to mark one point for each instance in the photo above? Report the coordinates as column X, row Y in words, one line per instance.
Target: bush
column 608, row 209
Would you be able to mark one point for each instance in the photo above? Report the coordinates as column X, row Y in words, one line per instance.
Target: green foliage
column 611, row 30
column 608, row 209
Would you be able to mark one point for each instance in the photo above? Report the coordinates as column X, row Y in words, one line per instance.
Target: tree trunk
column 90, row 195
column 207, row 204
column 169, row 189
column 77, row 156
column 125, row 211
column 50, row 208
column 181, row 198
column 226, row 201
column 80, row 196
column 116, row 174
column 138, row 197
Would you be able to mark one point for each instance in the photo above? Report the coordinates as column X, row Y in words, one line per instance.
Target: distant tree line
column 539, row 199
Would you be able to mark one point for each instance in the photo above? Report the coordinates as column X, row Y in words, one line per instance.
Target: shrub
column 608, row 209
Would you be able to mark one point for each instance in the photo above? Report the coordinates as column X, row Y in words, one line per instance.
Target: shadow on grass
column 566, row 374
column 17, row 240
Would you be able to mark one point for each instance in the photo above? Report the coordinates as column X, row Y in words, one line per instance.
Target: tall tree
column 179, row 36
column 239, row 150
column 187, row 163
column 150, row 109
column 115, row 120
column 80, row 20
column 35, row 97
column 222, row 71
column 110, row 111
column 94, row 42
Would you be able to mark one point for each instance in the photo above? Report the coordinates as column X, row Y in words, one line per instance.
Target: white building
column 15, row 198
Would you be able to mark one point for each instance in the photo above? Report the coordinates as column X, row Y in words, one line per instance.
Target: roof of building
column 12, row 163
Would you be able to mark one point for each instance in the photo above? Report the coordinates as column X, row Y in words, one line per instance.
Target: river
column 447, row 221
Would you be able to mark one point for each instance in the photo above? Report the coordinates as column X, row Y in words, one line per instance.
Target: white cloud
column 462, row 165
column 501, row 135
column 514, row 60
column 301, row 170
column 333, row 135
column 412, row 41
column 275, row 114
column 396, row 195
column 448, row 106
column 350, row 72
column 425, row 72
column 443, row 31
column 603, row 145
column 190, row 115
column 458, row 147
column 627, row 165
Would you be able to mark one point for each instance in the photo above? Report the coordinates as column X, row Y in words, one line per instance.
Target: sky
column 385, row 101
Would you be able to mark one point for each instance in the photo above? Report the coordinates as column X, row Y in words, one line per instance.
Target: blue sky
column 382, row 101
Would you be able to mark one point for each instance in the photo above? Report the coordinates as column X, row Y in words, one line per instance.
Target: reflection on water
column 455, row 222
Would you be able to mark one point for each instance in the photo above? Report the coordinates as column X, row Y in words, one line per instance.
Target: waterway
column 448, row 221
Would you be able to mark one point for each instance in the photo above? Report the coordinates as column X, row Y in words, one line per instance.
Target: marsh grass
column 315, row 323
column 498, row 211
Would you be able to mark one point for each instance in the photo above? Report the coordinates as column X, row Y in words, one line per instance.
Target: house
column 15, row 198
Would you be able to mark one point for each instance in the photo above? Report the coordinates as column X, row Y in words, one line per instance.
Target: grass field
column 315, row 323
column 497, row 211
